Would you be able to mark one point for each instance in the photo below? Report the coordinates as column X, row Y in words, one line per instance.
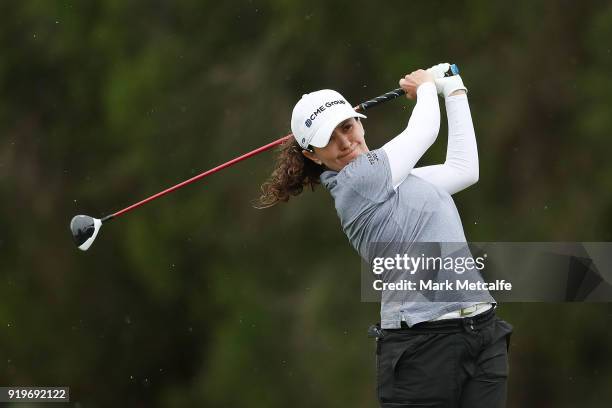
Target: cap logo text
column 321, row 109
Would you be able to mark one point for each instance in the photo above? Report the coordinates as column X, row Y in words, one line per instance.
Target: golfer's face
column 345, row 145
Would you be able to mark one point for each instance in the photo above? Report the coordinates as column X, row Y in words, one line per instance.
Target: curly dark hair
column 292, row 172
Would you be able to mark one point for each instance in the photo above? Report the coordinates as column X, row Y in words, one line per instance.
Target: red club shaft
column 198, row 177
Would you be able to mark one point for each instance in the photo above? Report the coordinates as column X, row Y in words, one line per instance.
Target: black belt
column 474, row 323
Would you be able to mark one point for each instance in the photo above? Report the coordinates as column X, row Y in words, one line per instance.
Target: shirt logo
column 372, row 158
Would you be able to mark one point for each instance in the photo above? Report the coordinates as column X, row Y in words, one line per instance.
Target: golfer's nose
column 344, row 141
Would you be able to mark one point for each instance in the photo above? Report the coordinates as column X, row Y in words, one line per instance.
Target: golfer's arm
column 406, row 149
column 460, row 170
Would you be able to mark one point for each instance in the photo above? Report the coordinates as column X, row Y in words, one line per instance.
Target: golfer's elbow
column 463, row 180
column 472, row 177
column 470, row 172
column 466, row 174
column 474, row 172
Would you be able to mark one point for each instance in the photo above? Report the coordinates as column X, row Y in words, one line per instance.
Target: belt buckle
column 466, row 311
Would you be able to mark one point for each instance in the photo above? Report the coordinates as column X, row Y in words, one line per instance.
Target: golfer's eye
column 347, row 127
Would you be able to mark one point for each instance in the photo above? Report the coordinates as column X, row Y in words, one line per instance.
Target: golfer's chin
column 344, row 160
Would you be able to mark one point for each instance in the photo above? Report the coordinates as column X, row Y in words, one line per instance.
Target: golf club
column 85, row 229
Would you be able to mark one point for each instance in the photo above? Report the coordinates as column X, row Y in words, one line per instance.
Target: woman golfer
column 442, row 350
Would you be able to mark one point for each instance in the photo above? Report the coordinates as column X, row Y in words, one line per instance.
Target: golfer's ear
column 311, row 156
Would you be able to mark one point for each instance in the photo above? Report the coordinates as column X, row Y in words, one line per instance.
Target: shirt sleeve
column 369, row 175
column 405, row 150
column 460, row 170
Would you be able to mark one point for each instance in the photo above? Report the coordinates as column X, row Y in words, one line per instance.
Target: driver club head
column 84, row 230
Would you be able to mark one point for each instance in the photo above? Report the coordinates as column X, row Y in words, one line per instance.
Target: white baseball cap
column 317, row 114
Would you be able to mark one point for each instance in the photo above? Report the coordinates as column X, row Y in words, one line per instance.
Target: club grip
column 452, row 70
column 380, row 99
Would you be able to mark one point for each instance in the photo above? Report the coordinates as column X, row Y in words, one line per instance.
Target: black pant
column 450, row 363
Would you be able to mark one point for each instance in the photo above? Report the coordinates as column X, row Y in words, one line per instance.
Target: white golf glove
column 446, row 85
column 439, row 70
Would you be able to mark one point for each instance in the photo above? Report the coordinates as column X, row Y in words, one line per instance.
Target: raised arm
column 406, row 149
column 460, row 169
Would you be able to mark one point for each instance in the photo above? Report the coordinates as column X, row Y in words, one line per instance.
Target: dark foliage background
column 201, row 300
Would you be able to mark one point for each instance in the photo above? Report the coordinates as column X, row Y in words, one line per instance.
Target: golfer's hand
column 447, row 86
column 439, row 70
column 411, row 82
